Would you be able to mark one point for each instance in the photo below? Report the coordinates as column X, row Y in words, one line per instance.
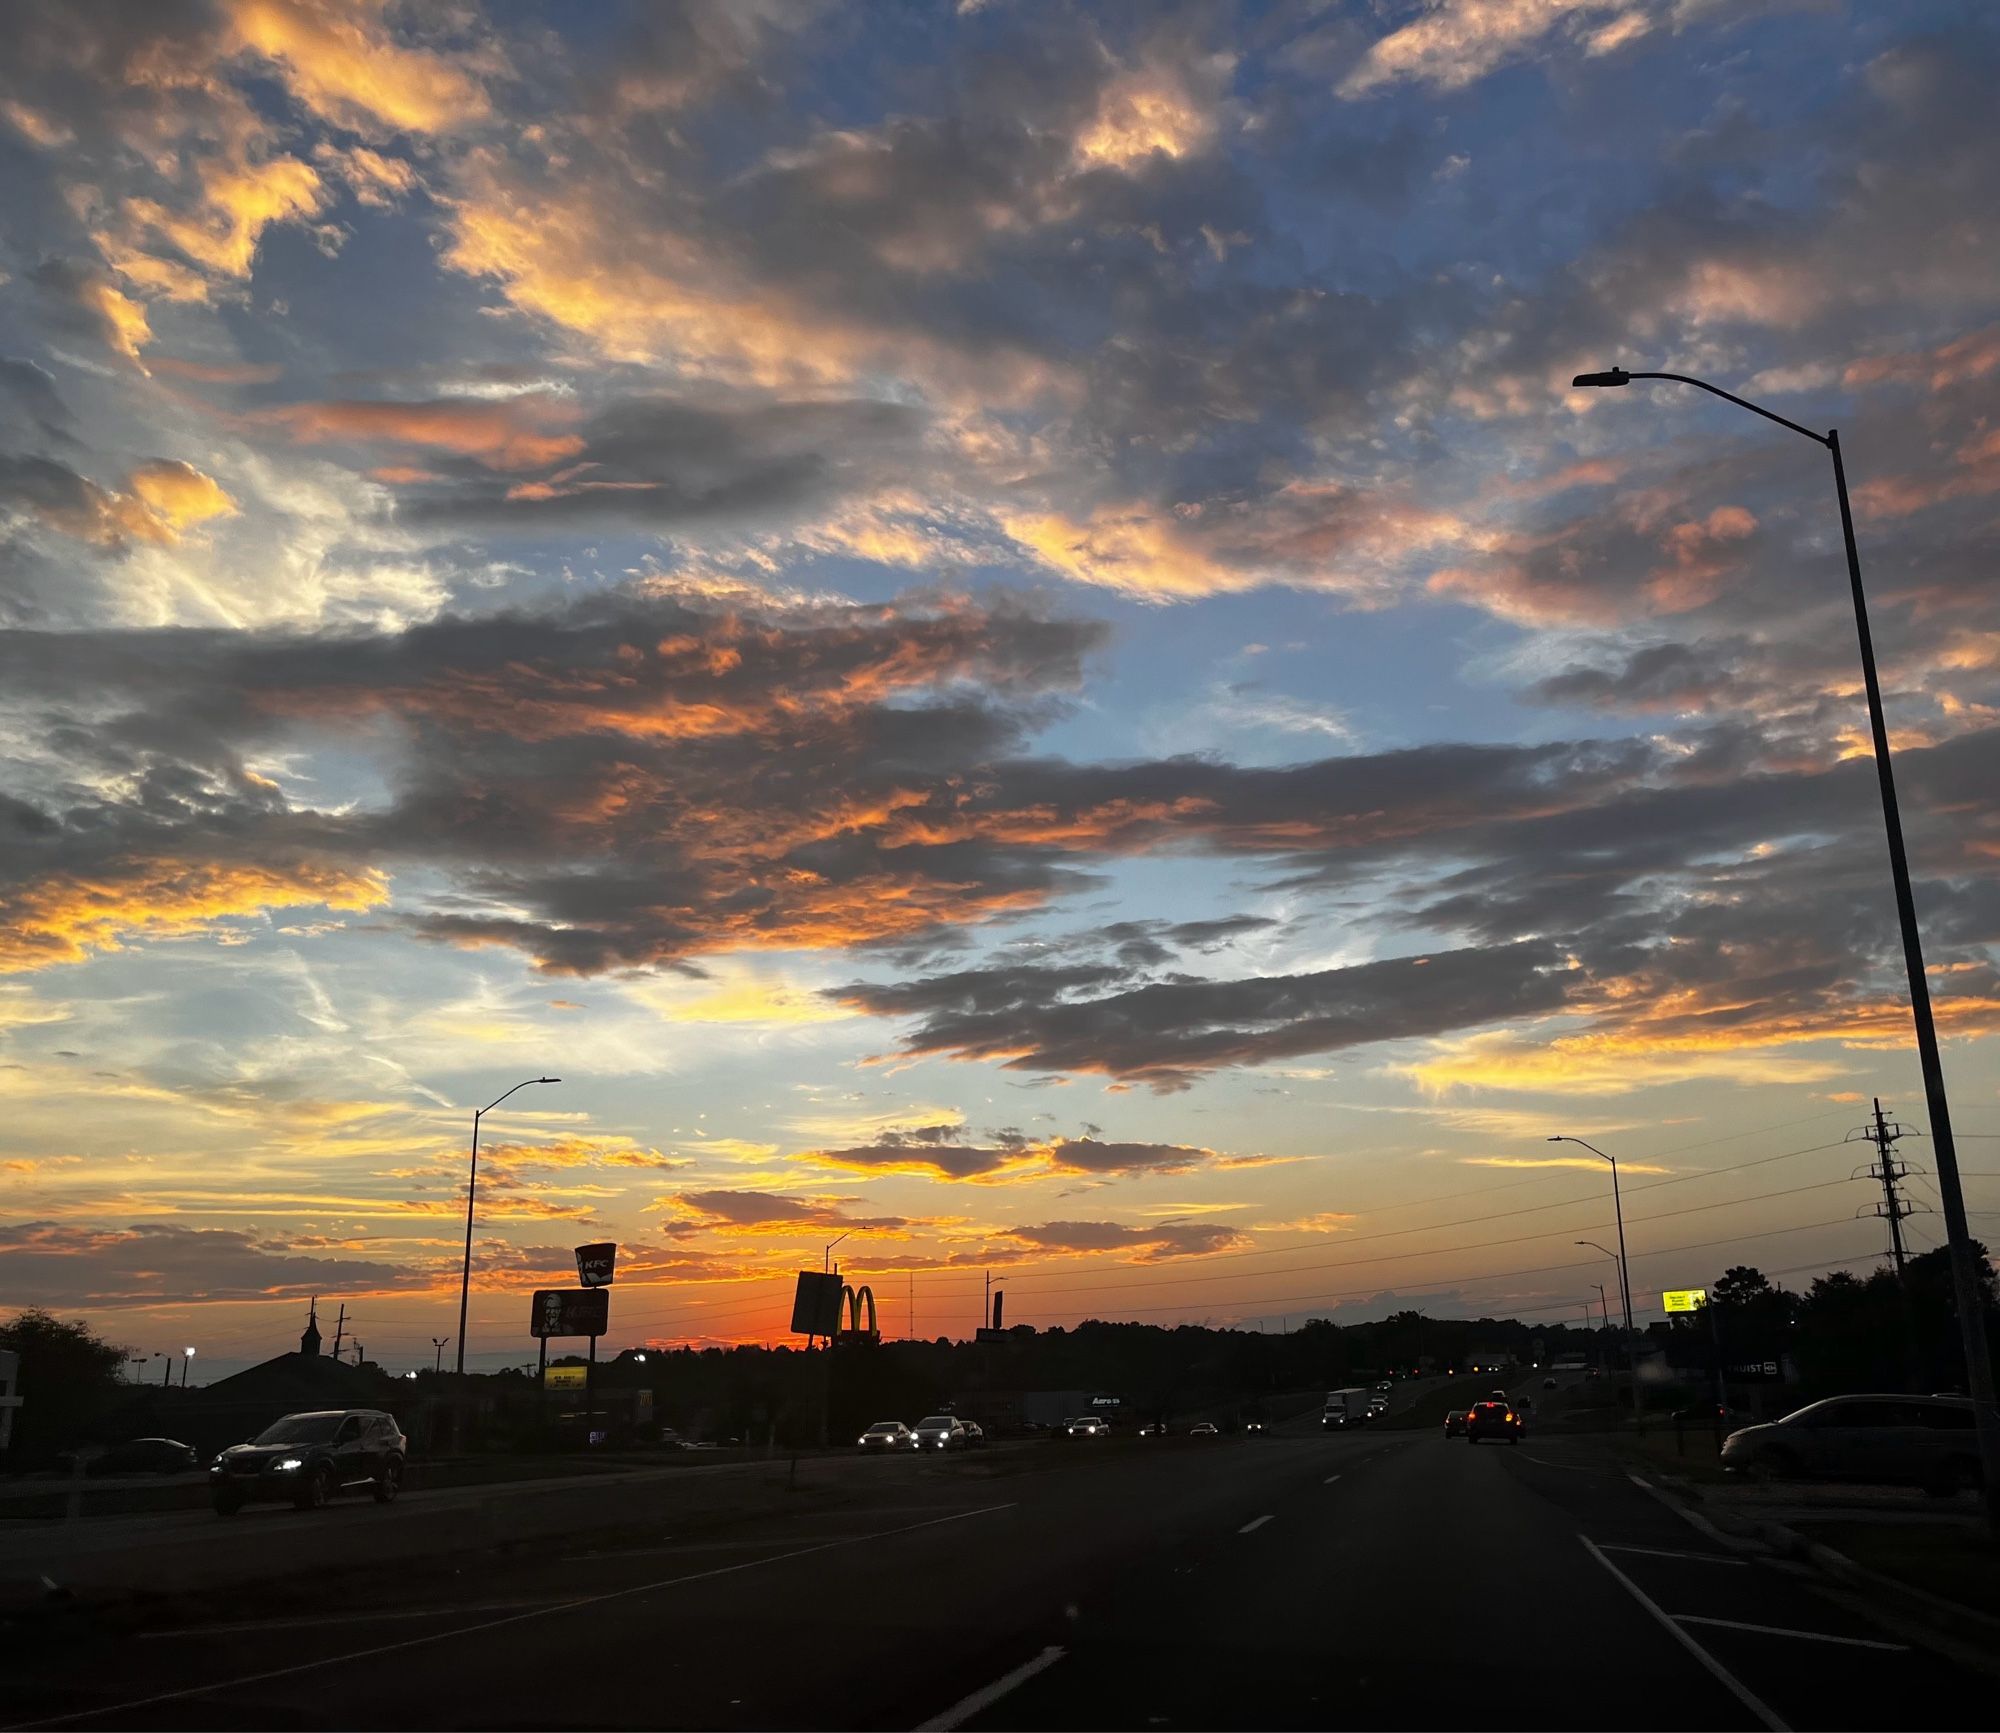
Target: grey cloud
column 1166, row 1034
column 61, row 1264
column 1158, row 1243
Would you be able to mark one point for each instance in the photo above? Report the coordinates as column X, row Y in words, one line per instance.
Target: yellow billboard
column 1684, row 1299
column 565, row 1377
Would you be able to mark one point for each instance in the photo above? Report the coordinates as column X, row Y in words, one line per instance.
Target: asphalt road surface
column 1294, row 1580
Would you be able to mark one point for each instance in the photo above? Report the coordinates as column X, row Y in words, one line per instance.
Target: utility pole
column 437, row 1360
column 339, row 1330
column 1883, row 1134
column 913, row 1305
column 986, row 1305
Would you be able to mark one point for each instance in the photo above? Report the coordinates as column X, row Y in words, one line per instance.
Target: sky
column 991, row 628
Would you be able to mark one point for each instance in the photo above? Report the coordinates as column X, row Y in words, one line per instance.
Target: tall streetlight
column 187, row 1360
column 1624, row 1281
column 437, row 1359
column 1958, row 1236
column 471, row 1189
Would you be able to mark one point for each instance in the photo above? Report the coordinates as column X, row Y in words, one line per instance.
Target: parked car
column 1204, row 1429
column 1153, row 1429
column 939, row 1432
column 1454, row 1424
column 1491, row 1419
column 305, row 1459
column 1922, row 1441
column 975, row 1434
column 145, row 1456
column 887, row 1435
column 1085, row 1426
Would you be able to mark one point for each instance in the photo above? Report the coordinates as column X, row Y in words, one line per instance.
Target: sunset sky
column 992, row 625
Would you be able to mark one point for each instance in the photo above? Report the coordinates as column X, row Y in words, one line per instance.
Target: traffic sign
column 1684, row 1299
column 570, row 1312
column 596, row 1264
column 816, row 1304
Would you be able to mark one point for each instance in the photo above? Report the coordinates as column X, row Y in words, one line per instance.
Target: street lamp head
column 548, row 1079
column 1610, row 376
column 1558, row 1140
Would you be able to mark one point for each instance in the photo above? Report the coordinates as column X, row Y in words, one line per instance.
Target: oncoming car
column 1085, row 1426
column 306, row 1459
column 887, row 1435
column 939, row 1432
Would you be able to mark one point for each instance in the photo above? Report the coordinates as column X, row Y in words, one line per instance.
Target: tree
column 68, row 1376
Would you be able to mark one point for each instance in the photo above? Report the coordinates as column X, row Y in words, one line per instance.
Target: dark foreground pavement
column 1289, row 1581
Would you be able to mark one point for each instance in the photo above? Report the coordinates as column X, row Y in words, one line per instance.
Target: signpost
column 1684, row 1299
column 595, row 1264
column 571, row 1312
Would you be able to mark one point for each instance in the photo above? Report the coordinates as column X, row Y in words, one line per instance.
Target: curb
column 1970, row 1637
column 1934, row 1611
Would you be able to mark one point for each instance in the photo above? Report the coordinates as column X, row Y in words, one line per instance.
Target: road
column 1294, row 1580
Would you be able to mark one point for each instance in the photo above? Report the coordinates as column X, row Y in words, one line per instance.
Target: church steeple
column 309, row 1342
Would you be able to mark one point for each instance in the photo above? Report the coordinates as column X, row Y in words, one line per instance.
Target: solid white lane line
column 1787, row 1631
column 491, row 1624
column 322, row 1621
column 1707, row 1558
column 1740, row 1691
column 1253, row 1525
column 984, row 1698
column 1329, row 1480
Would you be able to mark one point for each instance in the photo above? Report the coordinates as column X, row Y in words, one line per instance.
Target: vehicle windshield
column 300, row 1429
column 886, row 1426
column 935, row 1420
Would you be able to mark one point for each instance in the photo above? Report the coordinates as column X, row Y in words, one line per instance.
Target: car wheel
column 317, row 1492
column 228, row 1502
column 388, row 1483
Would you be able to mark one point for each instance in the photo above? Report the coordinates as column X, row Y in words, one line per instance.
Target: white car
column 1086, row 1426
column 939, row 1432
column 887, row 1435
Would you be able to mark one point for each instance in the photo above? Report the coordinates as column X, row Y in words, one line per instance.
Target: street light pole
column 1958, row 1235
column 1618, row 1209
column 437, row 1359
column 465, row 1272
column 187, row 1360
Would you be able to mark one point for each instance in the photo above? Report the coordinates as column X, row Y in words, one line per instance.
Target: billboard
column 816, row 1304
column 570, row 1312
column 1684, row 1299
column 595, row 1264
column 565, row 1378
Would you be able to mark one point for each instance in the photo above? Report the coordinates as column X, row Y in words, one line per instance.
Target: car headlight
column 290, row 1465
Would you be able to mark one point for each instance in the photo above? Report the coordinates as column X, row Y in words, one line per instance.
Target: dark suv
column 305, row 1459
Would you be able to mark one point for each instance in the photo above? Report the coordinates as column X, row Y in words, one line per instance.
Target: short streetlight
column 1965, row 1274
column 187, row 1360
column 471, row 1191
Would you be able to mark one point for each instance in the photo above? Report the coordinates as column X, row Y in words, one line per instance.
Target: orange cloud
column 239, row 201
column 177, row 495
column 65, row 917
column 515, row 434
column 339, row 61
